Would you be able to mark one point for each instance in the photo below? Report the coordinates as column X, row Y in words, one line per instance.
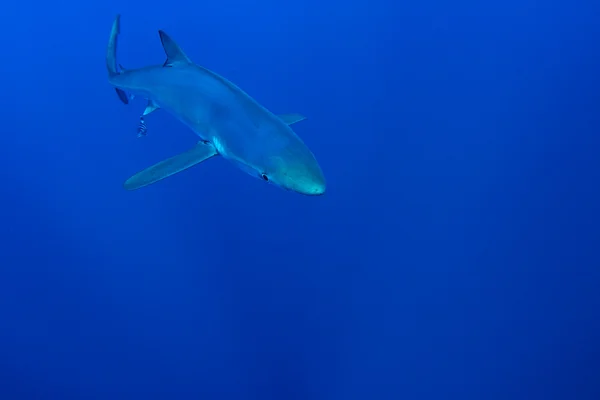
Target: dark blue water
column 454, row 255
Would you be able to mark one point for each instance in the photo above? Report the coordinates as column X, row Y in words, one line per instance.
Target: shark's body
column 229, row 122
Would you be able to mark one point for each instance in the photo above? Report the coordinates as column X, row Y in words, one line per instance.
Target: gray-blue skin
column 229, row 122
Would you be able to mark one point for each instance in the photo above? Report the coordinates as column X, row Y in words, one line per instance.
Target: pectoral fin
column 202, row 151
column 122, row 95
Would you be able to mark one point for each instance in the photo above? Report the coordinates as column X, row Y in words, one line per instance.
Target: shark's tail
column 111, row 56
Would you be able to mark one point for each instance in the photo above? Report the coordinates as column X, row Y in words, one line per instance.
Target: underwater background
column 455, row 254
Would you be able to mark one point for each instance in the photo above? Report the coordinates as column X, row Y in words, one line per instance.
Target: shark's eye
column 265, row 177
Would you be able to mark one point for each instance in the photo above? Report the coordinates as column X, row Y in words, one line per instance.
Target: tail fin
column 111, row 56
column 111, row 50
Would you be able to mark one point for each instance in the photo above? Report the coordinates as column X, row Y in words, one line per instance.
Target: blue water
column 454, row 255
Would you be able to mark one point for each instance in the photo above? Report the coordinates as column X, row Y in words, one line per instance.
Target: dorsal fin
column 174, row 53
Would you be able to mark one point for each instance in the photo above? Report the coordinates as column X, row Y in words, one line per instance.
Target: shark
column 228, row 122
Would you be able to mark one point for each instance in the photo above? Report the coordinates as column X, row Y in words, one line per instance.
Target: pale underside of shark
column 228, row 121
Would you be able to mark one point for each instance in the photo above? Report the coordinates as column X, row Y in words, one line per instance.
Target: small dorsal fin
column 150, row 108
column 174, row 53
column 291, row 118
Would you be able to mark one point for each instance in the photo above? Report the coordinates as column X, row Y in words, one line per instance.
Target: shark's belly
column 196, row 110
column 207, row 106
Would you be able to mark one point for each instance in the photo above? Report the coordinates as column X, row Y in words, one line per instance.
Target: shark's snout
column 311, row 181
column 302, row 172
column 317, row 184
